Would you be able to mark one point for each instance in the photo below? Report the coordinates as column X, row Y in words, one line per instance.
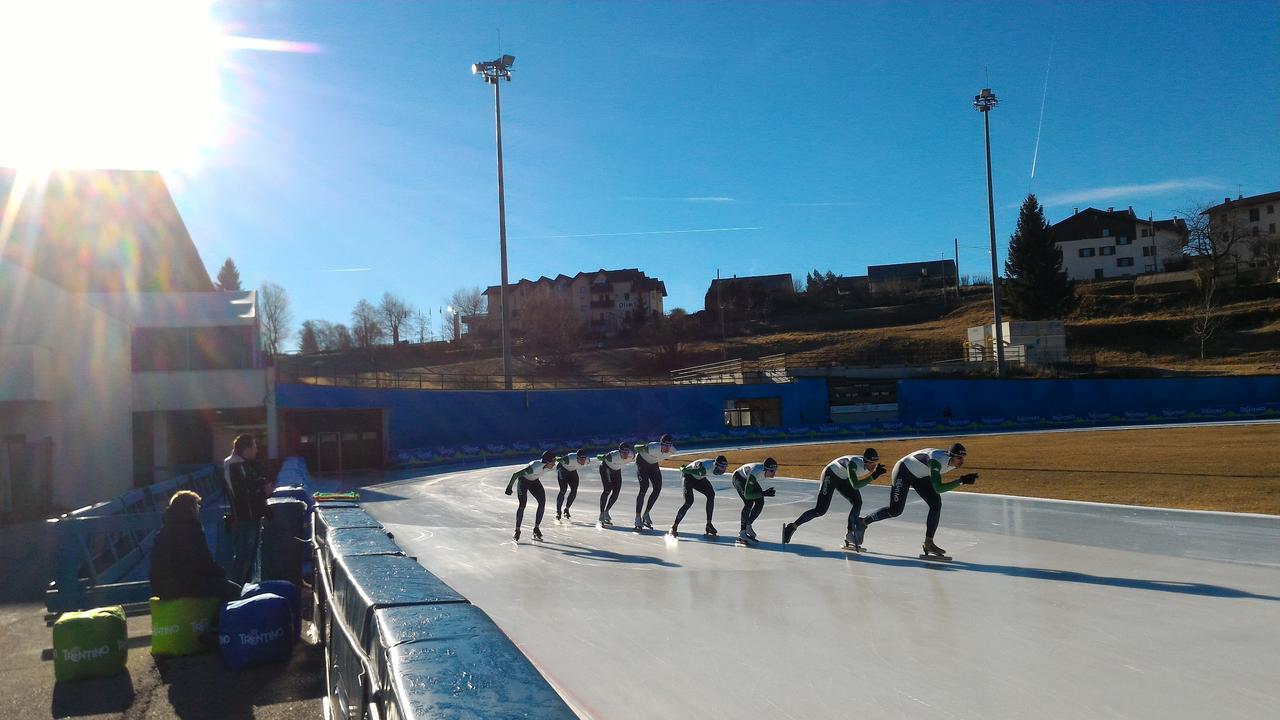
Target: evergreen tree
column 229, row 276
column 1036, row 287
column 308, row 342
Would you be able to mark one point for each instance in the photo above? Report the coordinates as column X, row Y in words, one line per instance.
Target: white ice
column 1050, row 609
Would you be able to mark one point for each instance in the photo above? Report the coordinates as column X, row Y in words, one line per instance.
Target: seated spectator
column 181, row 564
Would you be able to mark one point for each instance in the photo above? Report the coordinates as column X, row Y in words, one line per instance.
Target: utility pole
column 983, row 102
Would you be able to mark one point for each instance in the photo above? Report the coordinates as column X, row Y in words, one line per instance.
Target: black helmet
column 666, row 439
column 722, row 460
column 582, row 452
column 770, row 464
column 548, row 457
column 624, row 445
column 958, row 449
column 870, row 454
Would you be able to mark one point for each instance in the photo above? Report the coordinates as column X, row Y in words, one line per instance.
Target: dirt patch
column 1233, row 468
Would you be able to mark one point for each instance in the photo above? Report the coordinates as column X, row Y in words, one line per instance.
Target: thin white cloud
column 837, row 203
column 1124, row 192
column 639, row 232
column 347, row 270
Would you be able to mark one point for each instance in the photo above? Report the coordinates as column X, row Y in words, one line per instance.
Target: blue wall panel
column 925, row 399
column 428, row 418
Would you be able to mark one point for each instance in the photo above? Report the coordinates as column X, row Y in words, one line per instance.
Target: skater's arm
column 935, row 476
column 694, row 470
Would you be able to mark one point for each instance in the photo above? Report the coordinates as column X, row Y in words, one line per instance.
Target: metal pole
column 724, row 346
column 995, row 277
column 502, row 241
column 956, row 241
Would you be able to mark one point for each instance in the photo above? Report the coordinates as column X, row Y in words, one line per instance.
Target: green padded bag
column 90, row 643
column 176, row 625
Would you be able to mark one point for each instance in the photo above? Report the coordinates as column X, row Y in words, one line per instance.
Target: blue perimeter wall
column 426, row 418
column 932, row 399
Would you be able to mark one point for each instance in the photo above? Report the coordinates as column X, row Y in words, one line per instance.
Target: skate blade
column 938, row 558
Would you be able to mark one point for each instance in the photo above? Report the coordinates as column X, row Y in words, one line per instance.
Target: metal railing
column 426, row 380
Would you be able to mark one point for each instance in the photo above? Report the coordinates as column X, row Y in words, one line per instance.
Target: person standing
column 846, row 475
column 747, row 481
column 530, row 479
column 922, row 470
column 567, row 468
column 696, row 477
column 648, row 455
column 246, row 492
column 611, row 464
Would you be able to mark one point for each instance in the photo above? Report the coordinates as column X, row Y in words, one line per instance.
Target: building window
column 1146, row 232
column 1124, row 262
column 1271, row 228
column 1086, row 252
column 1253, row 215
column 1271, row 209
column 1106, row 232
column 1254, row 232
column 1108, row 250
column 1123, row 240
column 1148, row 251
column 626, row 296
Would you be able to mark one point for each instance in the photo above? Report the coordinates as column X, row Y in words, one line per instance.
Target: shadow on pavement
column 200, row 687
column 92, row 697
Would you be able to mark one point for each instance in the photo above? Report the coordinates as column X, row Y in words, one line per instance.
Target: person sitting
column 181, row 564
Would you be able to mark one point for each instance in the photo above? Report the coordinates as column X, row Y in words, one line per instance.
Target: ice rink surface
column 1049, row 610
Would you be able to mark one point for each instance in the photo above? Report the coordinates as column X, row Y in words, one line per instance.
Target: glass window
column 1253, row 214
column 1086, row 252
column 1124, row 262
column 1108, row 250
column 1123, row 240
column 1106, row 232
column 1148, row 251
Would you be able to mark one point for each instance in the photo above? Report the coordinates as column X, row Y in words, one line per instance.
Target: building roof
column 181, row 309
column 1228, row 203
column 640, row 282
column 1089, row 223
column 778, row 278
column 911, row 270
column 101, row 231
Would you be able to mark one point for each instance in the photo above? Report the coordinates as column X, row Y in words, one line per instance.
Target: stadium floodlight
column 493, row 71
column 983, row 102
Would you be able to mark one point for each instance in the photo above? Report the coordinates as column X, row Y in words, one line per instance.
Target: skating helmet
column 722, row 462
column 958, row 449
column 770, row 464
column 548, row 457
column 624, row 448
column 666, row 439
column 582, row 453
column 870, row 455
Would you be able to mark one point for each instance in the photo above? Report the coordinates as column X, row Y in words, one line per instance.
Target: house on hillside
column 1101, row 244
column 601, row 301
column 908, row 277
column 748, row 292
column 1247, row 225
column 117, row 356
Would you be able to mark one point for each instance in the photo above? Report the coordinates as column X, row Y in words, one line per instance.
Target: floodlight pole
column 494, row 72
column 983, row 102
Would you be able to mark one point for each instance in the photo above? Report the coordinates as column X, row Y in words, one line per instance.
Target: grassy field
column 1231, row 468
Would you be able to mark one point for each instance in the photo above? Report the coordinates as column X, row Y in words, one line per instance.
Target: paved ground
column 1051, row 609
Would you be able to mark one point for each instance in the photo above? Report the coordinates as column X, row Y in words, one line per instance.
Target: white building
column 1247, row 225
column 118, row 360
column 601, row 300
column 1101, row 244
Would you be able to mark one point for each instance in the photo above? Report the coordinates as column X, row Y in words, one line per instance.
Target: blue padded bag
column 255, row 631
column 284, row 589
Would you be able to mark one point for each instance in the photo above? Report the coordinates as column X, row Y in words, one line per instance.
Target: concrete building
column 1248, row 225
column 1100, row 244
column 601, row 301
column 117, row 357
column 750, row 290
column 908, row 277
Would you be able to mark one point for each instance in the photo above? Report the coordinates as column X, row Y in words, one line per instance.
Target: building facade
column 748, row 291
column 1102, row 244
column 908, row 277
column 601, row 302
column 1247, row 229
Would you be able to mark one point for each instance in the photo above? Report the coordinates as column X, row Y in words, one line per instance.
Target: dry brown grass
column 1231, row 468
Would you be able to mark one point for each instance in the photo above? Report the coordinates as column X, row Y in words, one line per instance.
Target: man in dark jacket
column 246, row 493
column 181, row 564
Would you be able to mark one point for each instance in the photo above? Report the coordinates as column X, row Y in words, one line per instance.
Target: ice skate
column 787, row 531
column 646, row 521
column 567, row 515
column 675, row 532
column 751, row 532
column 931, row 551
column 516, row 537
column 851, row 542
column 743, row 538
column 604, row 520
column 537, row 533
column 557, row 517
column 639, row 524
column 710, row 531
column 859, row 531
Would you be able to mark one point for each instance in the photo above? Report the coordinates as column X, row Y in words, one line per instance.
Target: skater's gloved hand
column 770, row 492
column 508, row 490
column 878, row 472
column 969, row 479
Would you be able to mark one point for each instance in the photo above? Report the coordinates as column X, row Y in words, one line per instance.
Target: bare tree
column 393, row 315
column 668, row 334
column 1215, row 243
column 341, row 338
column 365, row 328
column 308, row 338
column 1205, row 316
column 469, row 301
column 420, row 322
column 273, row 301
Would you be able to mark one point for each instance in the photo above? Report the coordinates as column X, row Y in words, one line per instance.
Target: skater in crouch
column 845, row 475
column 611, row 464
column 922, row 470
column 530, row 479
column 648, row 455
column 567, row 468
column 746, row 480
column 696, row 477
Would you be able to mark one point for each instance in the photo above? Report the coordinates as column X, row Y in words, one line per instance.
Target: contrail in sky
column 1035, row 155
column 348, row 270
column 642, row 232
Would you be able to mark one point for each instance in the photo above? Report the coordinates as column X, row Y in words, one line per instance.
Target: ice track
column 1050, row 609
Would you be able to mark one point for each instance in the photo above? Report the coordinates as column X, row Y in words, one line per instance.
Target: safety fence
column 476, row 455
column 102, row 549
column 403, row 644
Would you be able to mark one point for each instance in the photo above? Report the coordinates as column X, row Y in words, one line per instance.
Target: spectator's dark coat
column 181, row 564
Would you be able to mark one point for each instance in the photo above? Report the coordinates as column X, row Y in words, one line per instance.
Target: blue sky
column 841, row 134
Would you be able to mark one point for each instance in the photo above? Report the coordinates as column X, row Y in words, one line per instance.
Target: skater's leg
column 522, row 494
column 643, row 477
column 655, row 479
column 924, row 488
column 604, row 485
column 855, row 505
column 688, row 501
column 824, row 501
column 572, row 481
column 756, row 508
column 539, row 494
column 615, row 488
column 897, row 495
column 562, row 478
column 705, row 487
